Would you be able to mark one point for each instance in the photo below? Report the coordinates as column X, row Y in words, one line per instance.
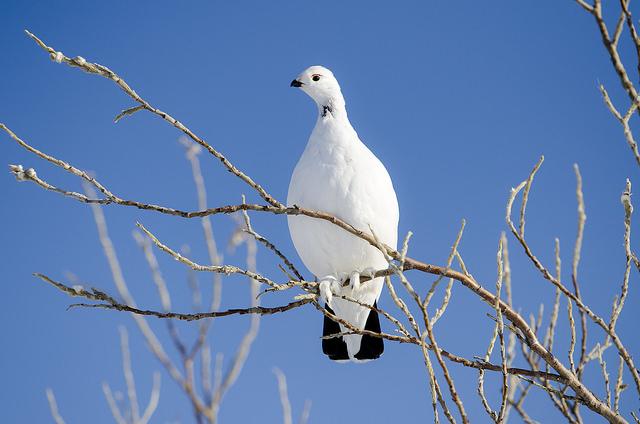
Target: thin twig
column 306, row 411
column 113, row 405
column 128, row 375
column 154, row 399
column 582, row 218
column 53, row 407
column 284, row 396
column 620, row 386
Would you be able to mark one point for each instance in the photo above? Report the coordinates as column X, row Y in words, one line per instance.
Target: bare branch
column 620, row 386
column 498, row 332
column 53, row 406
column 447, row 297
column 549, row 338
column 111, row 303
column 625, row 199
column 605, row 376
column 525, row 194
column 222, row 269
column 103, row 71
column 306, row 410
column 582, row 218
column 153, row 399
column 594, row 317
column 127, row 112
column 128, row 375
column 586, row 6
column 284, row 396
column 269, row 245
column 113, row 405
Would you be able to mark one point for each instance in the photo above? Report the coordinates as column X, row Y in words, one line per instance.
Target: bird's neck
column 332, row 111
column 332, row 128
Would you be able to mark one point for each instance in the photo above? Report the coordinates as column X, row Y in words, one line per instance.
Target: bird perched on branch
column 339, row 175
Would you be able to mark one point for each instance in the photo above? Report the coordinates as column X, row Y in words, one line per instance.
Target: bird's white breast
column 339, row 175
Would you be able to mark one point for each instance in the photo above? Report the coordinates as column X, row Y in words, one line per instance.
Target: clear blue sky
column 458, row 99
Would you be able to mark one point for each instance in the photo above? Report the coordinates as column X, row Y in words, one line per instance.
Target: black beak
column 296, row 83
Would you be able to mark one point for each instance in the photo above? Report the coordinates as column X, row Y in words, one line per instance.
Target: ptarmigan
column 339, row 175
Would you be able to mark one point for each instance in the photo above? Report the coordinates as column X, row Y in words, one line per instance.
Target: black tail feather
column 336, row 348
column 371, row 347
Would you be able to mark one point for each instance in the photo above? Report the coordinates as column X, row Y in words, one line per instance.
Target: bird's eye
column 316, row 77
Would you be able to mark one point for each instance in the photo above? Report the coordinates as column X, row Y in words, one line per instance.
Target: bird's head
column 320, row 84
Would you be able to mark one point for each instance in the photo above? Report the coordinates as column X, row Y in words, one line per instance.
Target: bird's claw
column 327, row 286
column 369, row 272
column 343, row 278
column 325, row 291
column 354, row 280
column 356, row 276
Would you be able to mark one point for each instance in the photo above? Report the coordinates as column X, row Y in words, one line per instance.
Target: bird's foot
column 343, row 278
column 327, row 286
column 356, row 276
column 354, row 281
column 369, row 272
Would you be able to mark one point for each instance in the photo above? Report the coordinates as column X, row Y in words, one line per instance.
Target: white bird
column 339, row 175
